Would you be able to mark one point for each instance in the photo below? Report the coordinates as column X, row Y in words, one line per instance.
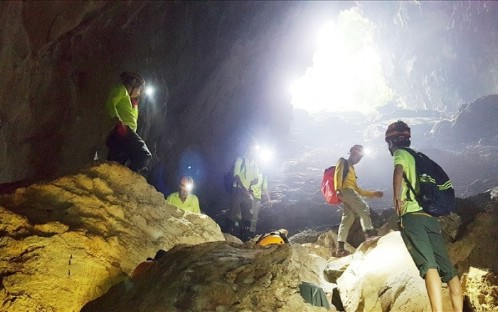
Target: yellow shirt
column 119, row 105
column 191, row 203
column 259, row 187
column 247, row 170
column 349, row 181
column 403, row 158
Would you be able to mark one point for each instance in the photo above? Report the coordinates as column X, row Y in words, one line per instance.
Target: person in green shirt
column 351, row 196
column 125, row 145
column 184, row 199
column 420, row 231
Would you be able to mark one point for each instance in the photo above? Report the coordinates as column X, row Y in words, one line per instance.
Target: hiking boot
column 339, row 253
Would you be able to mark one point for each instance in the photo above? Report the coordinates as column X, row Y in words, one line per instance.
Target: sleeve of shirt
column 364, row 193
column 114, row 97
column 400, row 158
column 339, row 169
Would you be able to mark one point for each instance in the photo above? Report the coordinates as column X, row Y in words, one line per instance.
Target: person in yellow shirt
column 245, row 174
column 124, row 144
column 184, row 199
column 352, row 195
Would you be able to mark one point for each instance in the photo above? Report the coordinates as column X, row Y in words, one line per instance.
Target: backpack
column 313, row 294
column 436, row 195
column 328, row 187
column 228, row 178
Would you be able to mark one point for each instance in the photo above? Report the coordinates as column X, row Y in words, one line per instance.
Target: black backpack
column 436, row 194
column 228, row 178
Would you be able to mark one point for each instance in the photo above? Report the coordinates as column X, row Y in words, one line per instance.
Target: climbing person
column 245, row 173
column 125, row 145
column 351, row 196
column 258, row 190
column 421, row 232
column 184, row 199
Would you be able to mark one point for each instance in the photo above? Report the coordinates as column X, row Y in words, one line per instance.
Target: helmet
column 132, row 79
column 186, row 183
column 273, row 238
column 398, row 131
column 358, row 149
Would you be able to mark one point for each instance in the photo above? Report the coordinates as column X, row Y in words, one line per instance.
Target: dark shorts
column 424, row 241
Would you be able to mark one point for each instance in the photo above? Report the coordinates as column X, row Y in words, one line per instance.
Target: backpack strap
column 345, row 171
column 410, row 186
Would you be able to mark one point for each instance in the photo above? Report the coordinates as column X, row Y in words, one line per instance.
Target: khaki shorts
column 424, row 241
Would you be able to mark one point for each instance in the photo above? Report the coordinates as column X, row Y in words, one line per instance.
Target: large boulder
column 67, row 241
column 383, row 277
column 220, row 276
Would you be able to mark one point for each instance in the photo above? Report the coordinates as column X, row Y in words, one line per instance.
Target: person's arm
column 397, row 182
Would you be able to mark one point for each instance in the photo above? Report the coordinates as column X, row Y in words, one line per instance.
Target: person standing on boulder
column 420, row 231
column 245, row 173
column 351, row 196
column 123, row 142
column 258, row 189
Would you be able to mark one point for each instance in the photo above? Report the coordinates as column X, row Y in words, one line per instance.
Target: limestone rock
column 481, row 286
column 383, row 277
column 67, row 241
column 477, row 247
column 220, row 276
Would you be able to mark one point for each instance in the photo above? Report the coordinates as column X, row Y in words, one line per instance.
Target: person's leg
column 139, row 154
column 347, row 221
column 117, row 151
column 246, row 206
column 360, row 207
column 233, row 218
column 417, row 234
column 456, row 294
column 447, row 271
column 433, row 285
column 255, row 213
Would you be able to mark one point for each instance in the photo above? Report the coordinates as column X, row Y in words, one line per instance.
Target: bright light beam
column 149, row 91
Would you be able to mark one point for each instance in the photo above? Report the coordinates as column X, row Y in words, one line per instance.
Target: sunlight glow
column 346, row 74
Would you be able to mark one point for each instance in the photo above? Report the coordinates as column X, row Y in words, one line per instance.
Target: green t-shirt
column 403, row 158
column 119, row 105
column 191, row 203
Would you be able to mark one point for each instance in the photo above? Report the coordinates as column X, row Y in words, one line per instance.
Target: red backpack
column 328, row 187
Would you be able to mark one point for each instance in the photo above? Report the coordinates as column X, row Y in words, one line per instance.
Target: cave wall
column 437, row 54
column 220, row 71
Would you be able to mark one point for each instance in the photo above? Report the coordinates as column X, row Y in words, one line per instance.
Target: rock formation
column 71, row 244
column 67, row 241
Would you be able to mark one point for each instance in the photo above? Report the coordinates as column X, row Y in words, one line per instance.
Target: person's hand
column 339, row 195
column 378, row 194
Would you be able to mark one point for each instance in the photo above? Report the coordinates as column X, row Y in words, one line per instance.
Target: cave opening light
column 346, row 74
